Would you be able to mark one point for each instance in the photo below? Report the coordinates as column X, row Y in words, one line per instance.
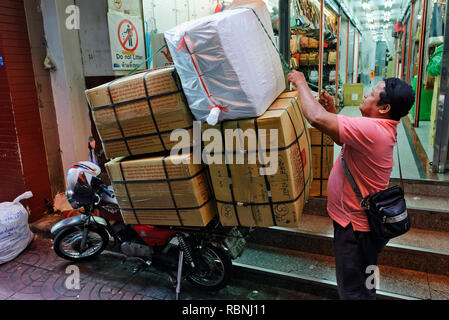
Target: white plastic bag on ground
column 227, row 63
column 15, row 233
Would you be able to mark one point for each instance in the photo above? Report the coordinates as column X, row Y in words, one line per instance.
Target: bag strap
column 351, row 178
column 399, row 164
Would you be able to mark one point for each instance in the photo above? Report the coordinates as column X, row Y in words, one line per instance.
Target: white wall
column 166, row 14
column 72, row 113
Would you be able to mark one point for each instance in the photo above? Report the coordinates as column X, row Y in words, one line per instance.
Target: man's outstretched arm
column 318, row 117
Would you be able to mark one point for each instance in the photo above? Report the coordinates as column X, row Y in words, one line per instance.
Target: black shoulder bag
column 386, row 210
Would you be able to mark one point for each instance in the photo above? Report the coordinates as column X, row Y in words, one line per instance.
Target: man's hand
column 327, row 102
column 319, row 118
column 297, row 78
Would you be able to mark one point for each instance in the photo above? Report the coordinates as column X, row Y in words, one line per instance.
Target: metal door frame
column 440, row 147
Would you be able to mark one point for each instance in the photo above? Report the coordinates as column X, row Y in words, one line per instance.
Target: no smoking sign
column 127, row 46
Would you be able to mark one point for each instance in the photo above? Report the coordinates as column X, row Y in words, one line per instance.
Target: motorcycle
column 202, row 255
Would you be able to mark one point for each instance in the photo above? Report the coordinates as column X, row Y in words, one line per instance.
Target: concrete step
column 315, row 273
column 432, row 188
column 418, row 249
column 426, row 212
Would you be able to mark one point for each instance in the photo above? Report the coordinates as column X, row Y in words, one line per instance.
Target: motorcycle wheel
column 67, row 243
column 213, row 268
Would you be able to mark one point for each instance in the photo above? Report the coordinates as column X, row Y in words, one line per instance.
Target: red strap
column 219, row 107
column 183, row 42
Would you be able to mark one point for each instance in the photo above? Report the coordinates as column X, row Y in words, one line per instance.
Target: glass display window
column 304, row 39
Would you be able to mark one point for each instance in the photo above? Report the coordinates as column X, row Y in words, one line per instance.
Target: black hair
column 399, row 95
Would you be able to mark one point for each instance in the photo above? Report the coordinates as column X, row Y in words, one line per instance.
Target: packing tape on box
column 324, row 145
column 271, row 203
column 168, row 180
column 148, row 98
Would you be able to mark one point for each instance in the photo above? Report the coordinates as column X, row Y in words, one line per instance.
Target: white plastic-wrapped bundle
column 15, row 233
column 227, row 63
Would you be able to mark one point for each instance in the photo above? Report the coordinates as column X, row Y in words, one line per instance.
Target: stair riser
column 317, row 288
column 274, row 279
column 419, row 187
column 391, row 256
column 420, row 219
column 429, row 220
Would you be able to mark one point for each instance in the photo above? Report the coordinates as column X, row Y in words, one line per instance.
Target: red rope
column 183, row 42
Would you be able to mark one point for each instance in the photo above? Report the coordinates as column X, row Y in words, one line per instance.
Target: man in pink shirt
column 368, row 150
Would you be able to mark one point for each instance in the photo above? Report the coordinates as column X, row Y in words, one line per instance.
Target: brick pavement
column 39, row 274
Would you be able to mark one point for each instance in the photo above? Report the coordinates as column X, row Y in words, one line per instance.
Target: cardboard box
column 158, row 191
column 244, row 196
column 131, row 120
column 352, row 94
column 322, row 161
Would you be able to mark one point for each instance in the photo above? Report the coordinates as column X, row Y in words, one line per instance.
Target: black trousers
column 356, row 256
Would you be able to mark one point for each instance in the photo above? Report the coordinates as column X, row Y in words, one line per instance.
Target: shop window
column 304, row 39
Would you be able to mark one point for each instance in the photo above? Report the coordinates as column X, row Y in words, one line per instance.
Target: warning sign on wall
column 127, row 41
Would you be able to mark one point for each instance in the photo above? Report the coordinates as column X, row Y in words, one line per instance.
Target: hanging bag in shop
column 304, row 59
column 302, row 13
column 314, row 44
column 297, row 58
column 293, row 63
column 313, row 77
column 309, row 12
column 386, row 210
column 293, row 44
column 332, row 76
column 332, row 58
column 314, row 59
column 300, row 21
column 304, row 42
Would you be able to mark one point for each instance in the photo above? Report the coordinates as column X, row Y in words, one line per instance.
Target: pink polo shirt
column 369, row 144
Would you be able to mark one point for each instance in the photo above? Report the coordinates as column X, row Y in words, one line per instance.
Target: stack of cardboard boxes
column 274, row 194
column 322, row 161
column 135, row 117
